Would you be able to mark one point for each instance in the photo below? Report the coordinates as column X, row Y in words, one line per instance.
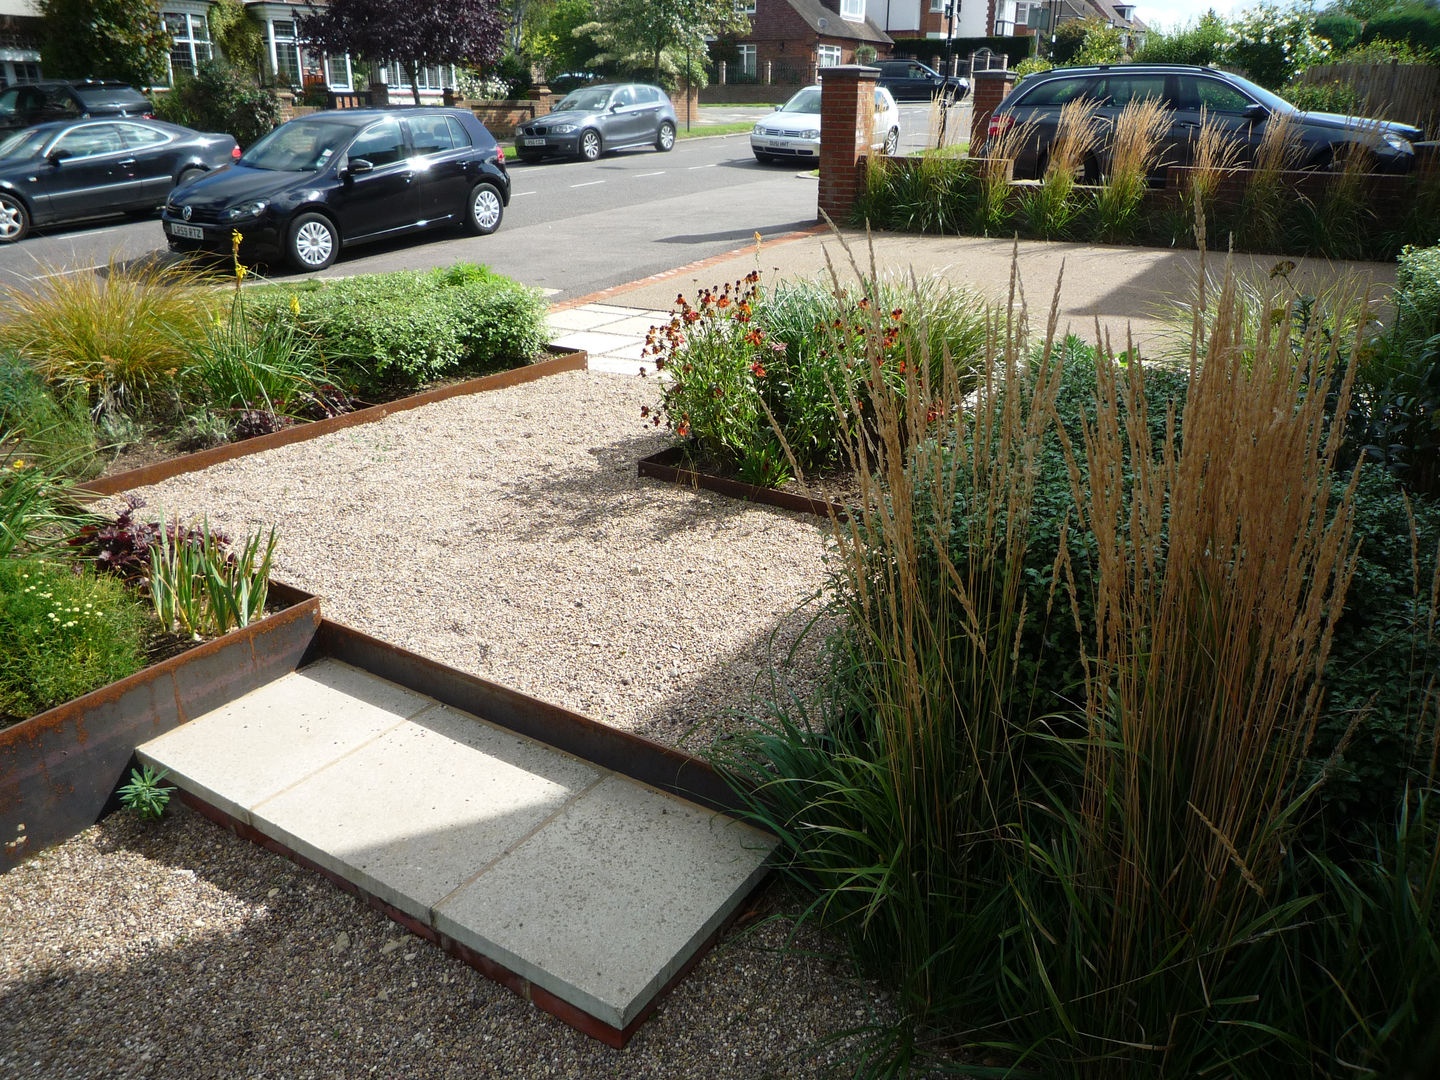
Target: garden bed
column 165, row 468
column 674, row 466
column 59, row 769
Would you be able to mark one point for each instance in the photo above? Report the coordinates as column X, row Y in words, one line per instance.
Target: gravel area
column 505, row 534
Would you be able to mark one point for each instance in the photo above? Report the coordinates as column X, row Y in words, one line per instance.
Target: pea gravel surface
column 508, row 535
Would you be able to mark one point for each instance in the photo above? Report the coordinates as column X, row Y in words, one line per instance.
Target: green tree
column 238, row 35
column 110, row 39
column 549, row 36
column 659, row 36
column 1195, row 43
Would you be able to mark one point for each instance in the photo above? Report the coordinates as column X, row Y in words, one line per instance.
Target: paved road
column 572, row 228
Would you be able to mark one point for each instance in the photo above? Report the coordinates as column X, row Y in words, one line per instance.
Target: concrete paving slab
column 277, row 735
column 637, row 324
column 416, row 813
column 605, row 905
column 597, row 344
column 580, row 318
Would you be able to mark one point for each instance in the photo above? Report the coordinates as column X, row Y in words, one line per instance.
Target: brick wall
column 988, row 91
column 846, row 105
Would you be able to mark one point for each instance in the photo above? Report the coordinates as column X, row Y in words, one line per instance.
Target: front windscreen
column 593, row 99
column 305, row 145
column 806, row 101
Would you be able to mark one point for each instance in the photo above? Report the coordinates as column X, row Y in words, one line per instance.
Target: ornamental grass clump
column 1134, row 153
column 116, row 338
column 993, row 208
column 1051, row 208
column 1116, row 875
column 1261, row 225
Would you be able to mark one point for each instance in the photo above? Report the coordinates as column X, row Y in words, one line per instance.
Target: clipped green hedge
column 408, row 327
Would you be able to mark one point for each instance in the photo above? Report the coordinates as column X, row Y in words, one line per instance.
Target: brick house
column 790, row 40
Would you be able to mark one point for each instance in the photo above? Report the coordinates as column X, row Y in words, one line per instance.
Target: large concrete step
column 583, row 882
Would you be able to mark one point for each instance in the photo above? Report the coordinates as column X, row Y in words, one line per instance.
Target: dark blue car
column 74, row 169
column 332, row 179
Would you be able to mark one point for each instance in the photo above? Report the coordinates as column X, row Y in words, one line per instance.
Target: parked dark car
column 910, row 80
column 77, row 169
column 331, row 179
column 1241, row 107
column 40, row 102
column 593, row 119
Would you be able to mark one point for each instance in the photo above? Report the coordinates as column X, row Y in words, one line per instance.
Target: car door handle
column 127, row 163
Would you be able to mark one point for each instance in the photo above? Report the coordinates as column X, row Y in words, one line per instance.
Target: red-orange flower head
column 897, row 313
column 691, row 315
column 755, row 336
column 683, row 428
column 757, row 369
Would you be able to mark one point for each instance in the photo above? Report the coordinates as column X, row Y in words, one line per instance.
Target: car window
column 138, row 136
column 916, row 72
column 88, row 140
column 303, row 145
column 380, row 144
column 1056, row 91
column 111, row 97
column 882, row 100
column 592, row 99
column 1197, row 92
column 9, row 101
column 57, row 100
column 458, row 135
column 806, row 101
column 1121, row 90
column 624, row 96
column 430, row 134
column 23, row 144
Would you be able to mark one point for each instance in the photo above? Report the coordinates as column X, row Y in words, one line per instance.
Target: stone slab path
column 583, row 882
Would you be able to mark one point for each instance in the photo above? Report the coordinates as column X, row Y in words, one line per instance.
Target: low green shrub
column 1334, row 96
column 404, row 328
column 65, row 634
column 52, row 430
column 219, row 98
column 1417, row 293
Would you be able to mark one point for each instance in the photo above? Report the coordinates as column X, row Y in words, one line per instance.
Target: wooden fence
column 1409, row 93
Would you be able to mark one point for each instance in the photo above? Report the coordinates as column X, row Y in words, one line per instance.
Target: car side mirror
column 1256, row 111
column 360, row 165
column 55, row 157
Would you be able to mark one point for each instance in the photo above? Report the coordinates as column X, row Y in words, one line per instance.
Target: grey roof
column 813, row 11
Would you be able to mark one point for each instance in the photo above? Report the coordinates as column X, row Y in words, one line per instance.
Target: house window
column 852, row 10
column 937, row 6
column 1033, row 15
column 748, row 58
column 337, row 72
column 284, row 52
column 190, row 42
column 430, row 76
column 745, row 7
column 827, row 56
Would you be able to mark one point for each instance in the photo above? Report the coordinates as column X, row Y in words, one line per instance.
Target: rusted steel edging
column 619, row 751
column 667, row 465
column 203, row 459
column 59, row 769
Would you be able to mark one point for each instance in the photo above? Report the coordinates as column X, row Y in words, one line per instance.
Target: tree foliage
column 657, row 36
column 550, row 36
column 239, row 36
column 108, row 39
column 410, row 33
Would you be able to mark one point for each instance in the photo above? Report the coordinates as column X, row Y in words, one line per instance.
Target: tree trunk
column 412, row 72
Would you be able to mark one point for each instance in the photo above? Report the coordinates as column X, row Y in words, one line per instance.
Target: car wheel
column 186, row 175
column 313, row 242
column 590, row 148
column 892, row 142
column 1090, row 171
column 484, row 211
column 665, row 137
column 14, row 219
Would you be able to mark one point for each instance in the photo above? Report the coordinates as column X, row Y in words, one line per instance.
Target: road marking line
column 660, row 173
column 591, row 183
column 517, row 194
column 710, row 166
column 65, row 273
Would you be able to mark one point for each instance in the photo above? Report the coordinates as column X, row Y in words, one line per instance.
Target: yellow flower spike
column 19, row 463
column 294, row 304
column 239, row 272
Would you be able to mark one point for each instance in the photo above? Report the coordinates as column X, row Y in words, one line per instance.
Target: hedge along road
column 572, row 228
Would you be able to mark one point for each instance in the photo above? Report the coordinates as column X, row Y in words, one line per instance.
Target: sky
column 1172, row 13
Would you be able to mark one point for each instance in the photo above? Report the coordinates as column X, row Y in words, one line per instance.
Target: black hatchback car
column 78, row 169
column 331, row 179
column 1190, row 94
column 910, row 80
column 40, row 102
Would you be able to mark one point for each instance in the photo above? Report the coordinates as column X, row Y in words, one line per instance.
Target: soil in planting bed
column 834, row 484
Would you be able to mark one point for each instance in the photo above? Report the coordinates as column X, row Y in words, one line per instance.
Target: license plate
column 186, row 232
column 532, row 142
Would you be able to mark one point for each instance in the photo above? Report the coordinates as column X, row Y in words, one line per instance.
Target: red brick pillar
column 847, row 106
column 989, row 90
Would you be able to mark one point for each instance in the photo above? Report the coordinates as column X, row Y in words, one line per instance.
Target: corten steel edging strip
column 203, row 459
column 58, row 769
column 513, row 981
column 666, row 465
column 619, row 751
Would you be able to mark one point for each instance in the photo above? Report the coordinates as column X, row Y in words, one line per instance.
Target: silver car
column 595, row 119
